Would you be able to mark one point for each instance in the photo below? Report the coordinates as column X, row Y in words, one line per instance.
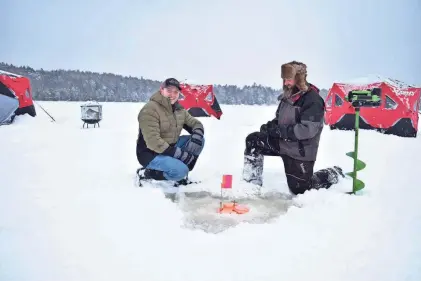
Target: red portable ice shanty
column 397, row 114
column 21, row 88
column 199, row 100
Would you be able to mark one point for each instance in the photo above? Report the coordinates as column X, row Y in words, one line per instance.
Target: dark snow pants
column 299, row 174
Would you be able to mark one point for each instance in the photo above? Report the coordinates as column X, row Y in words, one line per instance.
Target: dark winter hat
column 171, row 82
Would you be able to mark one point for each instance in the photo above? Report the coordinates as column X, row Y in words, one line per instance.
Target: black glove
column 277, row 131
column 265, row 127
column 178, row 153
column 195, row 144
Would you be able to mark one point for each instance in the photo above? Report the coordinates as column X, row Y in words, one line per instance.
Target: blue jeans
column 173, row 168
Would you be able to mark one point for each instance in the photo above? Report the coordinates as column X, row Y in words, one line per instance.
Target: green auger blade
column 359, row 165
column 358, row 185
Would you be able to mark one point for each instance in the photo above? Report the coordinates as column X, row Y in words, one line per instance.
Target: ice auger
column 358, row 99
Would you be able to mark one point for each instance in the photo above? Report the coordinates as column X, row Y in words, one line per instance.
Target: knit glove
column 195, row 144
column 186, row 157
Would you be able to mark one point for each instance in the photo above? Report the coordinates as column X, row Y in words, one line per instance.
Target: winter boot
column 184, row 181
column 154, row 174
column 253, row 169
column 149, row 174
column 325, row 178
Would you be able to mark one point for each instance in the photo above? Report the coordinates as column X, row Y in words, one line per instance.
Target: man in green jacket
column 163, row 153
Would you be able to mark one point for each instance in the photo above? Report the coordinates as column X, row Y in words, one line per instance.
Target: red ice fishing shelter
column 397, row 114
column 200, row 100
column 21, row 87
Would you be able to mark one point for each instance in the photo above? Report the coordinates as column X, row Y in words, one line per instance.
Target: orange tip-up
column 229, row 208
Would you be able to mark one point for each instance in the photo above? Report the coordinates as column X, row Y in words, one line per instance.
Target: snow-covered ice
column 69, row 208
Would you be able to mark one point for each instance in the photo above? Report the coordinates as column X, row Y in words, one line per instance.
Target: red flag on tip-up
column 226, row 181
column 232, row 207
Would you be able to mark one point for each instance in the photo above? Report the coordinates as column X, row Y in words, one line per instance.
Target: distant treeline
column 75, row 85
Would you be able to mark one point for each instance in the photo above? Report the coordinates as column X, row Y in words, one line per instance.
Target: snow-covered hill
column 69, row 209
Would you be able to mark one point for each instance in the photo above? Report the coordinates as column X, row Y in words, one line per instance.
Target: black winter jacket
column 299, row 123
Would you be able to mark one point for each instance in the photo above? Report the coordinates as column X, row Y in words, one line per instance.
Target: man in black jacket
column 293, row 135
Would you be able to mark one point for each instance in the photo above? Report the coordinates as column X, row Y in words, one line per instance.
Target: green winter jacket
column 160, row 125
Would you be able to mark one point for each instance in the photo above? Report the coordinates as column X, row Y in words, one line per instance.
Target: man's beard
column 288, row 91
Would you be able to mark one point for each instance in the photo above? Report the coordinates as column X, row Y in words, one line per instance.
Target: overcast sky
column 217, row 41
